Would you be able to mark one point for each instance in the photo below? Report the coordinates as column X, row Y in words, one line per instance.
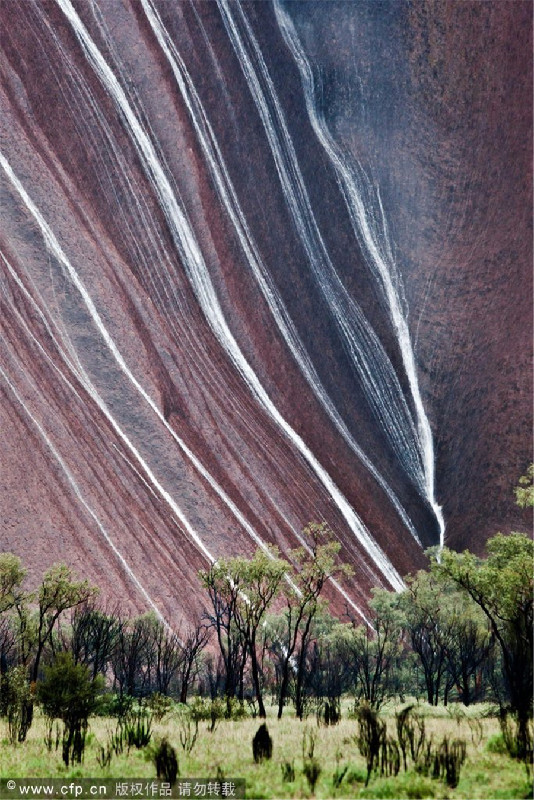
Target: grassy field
column 228, row 752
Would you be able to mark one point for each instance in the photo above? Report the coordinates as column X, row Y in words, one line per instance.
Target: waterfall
column 371, row 231
column 411, row 440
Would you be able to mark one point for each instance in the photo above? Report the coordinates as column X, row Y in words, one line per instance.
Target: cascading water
column 371, row 231
column 198, row 275
column 370, row 361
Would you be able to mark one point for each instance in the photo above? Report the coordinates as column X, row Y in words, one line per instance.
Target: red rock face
column 199, row 354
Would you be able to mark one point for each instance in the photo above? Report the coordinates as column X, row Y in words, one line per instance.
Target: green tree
column 501, row 586
column 12, row 575
column 67, row 692
column 470, row 647
column 328, row 669
column 315, row 564
column 429, row 621
column 57, row 593
column 372, row 649
column 242, row 590
column 16, row 699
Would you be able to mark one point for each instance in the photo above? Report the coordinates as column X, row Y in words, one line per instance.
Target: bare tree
column 316, row 563
column 93, row 637
column 131, row 657
column 196, row 639
column 167, row 656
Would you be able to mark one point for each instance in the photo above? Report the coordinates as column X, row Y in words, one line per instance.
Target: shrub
column 67, row 692
column 17, row 703
column 50, row 740
column 412, row 787
column 114, row 745
column 262, row 744
column 308, row 744
column 203, row 709
column 188, row 729
column 114, row 705
column 497, row 745
column 166, row 762
column 311, row 770
column 477, row 730
column 236, row 710
column 356, row 775
column 371, row 736
column 159, row 705
column 328, row 713
column 517, row 735
column 137, row 728
column 389, row 757
column 417, row 789
column 410, row 734
column 339, row 774
column 288, row 771
column 451, row 757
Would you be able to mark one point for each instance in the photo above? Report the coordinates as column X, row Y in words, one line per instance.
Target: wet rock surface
column 177, row 383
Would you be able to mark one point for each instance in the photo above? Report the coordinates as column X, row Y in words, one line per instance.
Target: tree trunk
column 256, row 680
column 185, row 685
column 283, row 688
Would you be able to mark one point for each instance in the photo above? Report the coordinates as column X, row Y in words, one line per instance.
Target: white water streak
column 352, row 180
column 200, row 280
column 55, row 249
column 82, row 501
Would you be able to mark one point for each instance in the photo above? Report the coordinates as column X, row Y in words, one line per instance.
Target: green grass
column 228, row 751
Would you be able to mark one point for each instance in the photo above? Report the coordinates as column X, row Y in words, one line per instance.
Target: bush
column 166, row 762
column 159, row 705
column 371, row 737
column 452, row 756
column 288, row 771
column 312, row 771
column 17, row 703
column 262, row 744
column 517, row 733
column 411, row 734
column 188, row 728
column 67, row 692
column 355, row 775
column 411, row 787
column 339, row 774
column 328, row 713
column 114, row 705
column 204, row 709
column 137, row 728
column 236, row 710
column 418, row 789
